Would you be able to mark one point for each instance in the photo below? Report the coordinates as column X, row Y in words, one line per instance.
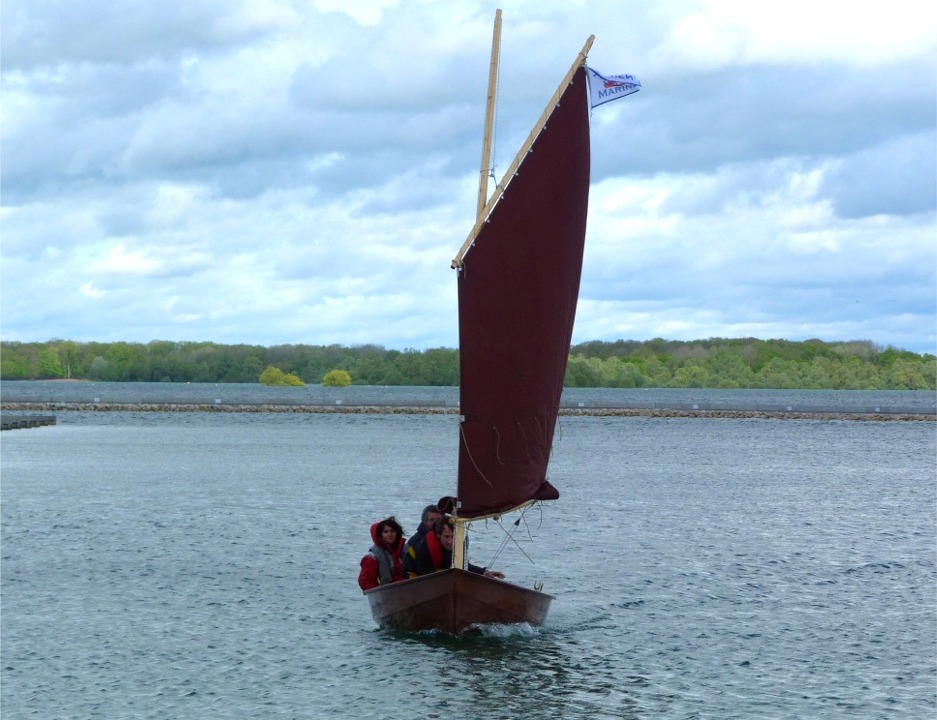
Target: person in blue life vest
column 435, row 553
column 429, row 517
column 383, row 564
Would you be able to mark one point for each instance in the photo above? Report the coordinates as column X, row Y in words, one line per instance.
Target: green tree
column 929, row 371
column 272, row 376
column 251, row 368
column 69, row 354
column 584, row 372
column 728, row 369
column 14, row 363
column 658, row 371
column 691, row 374
column 624, row 374
column 777, row 374
column 119, row 355
column 905, row 374
column 337, row 378
column 102, row 369
column 713, row 362
column 49, row 364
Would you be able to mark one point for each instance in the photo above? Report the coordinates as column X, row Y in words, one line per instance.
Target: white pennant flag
column 605, row 88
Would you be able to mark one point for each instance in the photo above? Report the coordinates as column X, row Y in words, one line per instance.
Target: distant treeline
column 712, row 363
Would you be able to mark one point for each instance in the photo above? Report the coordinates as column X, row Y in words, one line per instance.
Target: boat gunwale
column 436, row 574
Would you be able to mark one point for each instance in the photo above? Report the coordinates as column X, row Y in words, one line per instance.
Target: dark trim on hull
column 454, row 600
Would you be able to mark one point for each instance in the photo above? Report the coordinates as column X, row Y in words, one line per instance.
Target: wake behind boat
column 518, row 278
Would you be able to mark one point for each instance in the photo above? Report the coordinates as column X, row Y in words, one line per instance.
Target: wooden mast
column 496, row 195
column 489, row 116
column 459, row 543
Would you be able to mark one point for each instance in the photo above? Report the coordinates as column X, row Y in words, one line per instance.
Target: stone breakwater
column 450, row 410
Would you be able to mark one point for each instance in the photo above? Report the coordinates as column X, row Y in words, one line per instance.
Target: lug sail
column 518, row 284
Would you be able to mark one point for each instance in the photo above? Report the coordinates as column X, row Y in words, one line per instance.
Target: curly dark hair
column 392, row 523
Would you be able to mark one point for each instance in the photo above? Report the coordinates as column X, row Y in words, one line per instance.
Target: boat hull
column 454, row 600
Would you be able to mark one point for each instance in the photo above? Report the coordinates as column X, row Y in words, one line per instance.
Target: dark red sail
column 518, row 285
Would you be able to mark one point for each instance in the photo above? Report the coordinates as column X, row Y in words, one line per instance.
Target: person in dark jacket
column 435, row 553
column 383, row 564
column 429, row 517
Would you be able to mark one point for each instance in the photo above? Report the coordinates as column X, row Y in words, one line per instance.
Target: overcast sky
column 289, row 171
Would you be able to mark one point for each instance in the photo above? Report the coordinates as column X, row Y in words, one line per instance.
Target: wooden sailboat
column 518, row 283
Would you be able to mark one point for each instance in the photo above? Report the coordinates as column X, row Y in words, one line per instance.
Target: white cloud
column 717, row 33
column 364, row 12
column 273, row 171
column 89, row 290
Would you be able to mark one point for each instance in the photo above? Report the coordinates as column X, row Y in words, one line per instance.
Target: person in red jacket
column 383, row 564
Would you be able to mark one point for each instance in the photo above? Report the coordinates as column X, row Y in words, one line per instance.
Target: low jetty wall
column 17, row 422
column 695, row 410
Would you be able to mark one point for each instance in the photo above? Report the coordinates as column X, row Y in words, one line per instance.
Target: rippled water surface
column 871, row 401
column 191, row 565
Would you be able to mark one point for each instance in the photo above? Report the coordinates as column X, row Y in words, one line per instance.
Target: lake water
column 873, row 401
column 203, row 565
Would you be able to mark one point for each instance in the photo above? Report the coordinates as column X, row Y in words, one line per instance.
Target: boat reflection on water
column 523, row 671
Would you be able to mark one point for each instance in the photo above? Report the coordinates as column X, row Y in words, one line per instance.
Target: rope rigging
column 509, row 536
